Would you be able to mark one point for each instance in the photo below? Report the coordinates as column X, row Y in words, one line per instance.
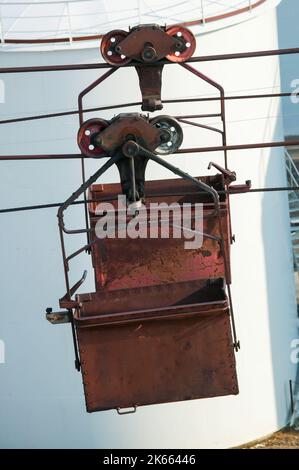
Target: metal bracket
column 65, row 301
column 57, row 318
column 240, row 188
column 229, row 176
column 150, row 83
column 132, row 177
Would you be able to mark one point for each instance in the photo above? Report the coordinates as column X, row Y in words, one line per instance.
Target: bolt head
column 130, row 149
column 149, row 54
column 165, row 135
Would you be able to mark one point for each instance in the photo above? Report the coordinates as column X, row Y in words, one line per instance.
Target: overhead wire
column 232, row 192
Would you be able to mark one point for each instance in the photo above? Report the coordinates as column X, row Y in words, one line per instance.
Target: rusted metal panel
column 144, row 39
column 125, row 124
column 155, row 344
column 126, row 263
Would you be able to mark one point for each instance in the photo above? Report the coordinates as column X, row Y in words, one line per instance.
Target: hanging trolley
column 159, row 326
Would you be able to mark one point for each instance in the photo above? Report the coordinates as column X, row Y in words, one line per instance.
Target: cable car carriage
column 159, row 326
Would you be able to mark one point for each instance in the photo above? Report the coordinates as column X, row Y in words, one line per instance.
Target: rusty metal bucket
column 157, row 329
column 155, row 344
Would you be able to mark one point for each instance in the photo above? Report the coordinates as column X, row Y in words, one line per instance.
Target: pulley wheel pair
column 171, row 136
column 111, row 40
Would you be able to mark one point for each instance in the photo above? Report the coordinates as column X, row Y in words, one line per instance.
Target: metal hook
column 229, row 176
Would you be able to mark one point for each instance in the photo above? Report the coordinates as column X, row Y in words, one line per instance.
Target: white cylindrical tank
column 41, row 394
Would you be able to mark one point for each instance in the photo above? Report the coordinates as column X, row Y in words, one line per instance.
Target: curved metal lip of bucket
column 103, row 308
column 166, row 313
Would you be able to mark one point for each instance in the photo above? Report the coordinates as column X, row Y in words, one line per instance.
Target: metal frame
column 66, row 301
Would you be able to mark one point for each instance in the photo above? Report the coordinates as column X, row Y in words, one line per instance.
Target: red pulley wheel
column 188, row 41
column 86, row 134
column 109, row 47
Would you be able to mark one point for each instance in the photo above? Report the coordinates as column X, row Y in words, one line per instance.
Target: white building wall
column 41, row 395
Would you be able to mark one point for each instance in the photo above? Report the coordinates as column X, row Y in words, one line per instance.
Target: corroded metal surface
column 155, row 345
column 126, row 263
column 148, row 43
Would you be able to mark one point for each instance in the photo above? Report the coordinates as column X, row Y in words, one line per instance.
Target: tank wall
column 287, row 21
column 41, row 397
